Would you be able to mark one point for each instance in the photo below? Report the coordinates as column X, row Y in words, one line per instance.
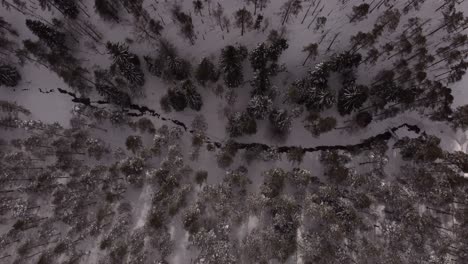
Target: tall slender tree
column 54, row 39
column 244, row 19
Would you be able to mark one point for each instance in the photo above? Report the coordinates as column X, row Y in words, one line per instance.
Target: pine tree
column 313, row 91
column 321, row 21
column 198, row 6
column 258, row 22
column 156, row 27
column 344, row 61
column 291, row 7
column 359, row 12
column 106, row 88
column 459, row 118
column 244, row 19
column 318, row 125
column 263, row 60
column 127, row 64
column 459, row 159
column 183, row 95
column 363, row 119
column 54, row 39
column 276, row 48
column 351, row 96
column 68, row 7
column 134, row 7
column 280, row 122
column 194, row 99
column 231, row 65
column 185, row 22
column 168, row 65
column 9, row 76
column 178, row 68
column 177, row 98
column 134, row 143
column 390, row 18
column 260, row 106
column 206, row 71
column 258, row 57
column 107, row 9
column 421, row 149
column 240, row 124
column 312, row 51
column 261, row 84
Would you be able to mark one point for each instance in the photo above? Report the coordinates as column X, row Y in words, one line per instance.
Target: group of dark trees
column 340, row 207
column 264, row 62
column 231, row 66
column 182, row 95
column 126, row 64
column 9, row 74
column 314, row 92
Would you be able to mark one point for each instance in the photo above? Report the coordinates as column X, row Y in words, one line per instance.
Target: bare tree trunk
column 308, row 9
column 313, row 18
column 439, row 211
column 334, row 38
column 442, row 6
column 436, row 30
column 323, row 37
column 308, row 56
column 286, row 15
column 377, row 5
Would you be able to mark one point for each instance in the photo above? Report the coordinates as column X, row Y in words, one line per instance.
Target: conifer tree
column 106, row 88
column 277, row 45
column 260, row 106
column 183, row 95
column 68, row 7
column 264, row 62
column 206, row 71
column 126, row 63
column 459, row 118
column 9, row 76
column 290, row 7
column 231, row 65
column 107, row 9
column 312, row 51
column 198, row 6
column 244, row 19
column 421, row 149
column 258, row 22
column 280, row 122
column 177, row 98
column 363, row 119
column 54, row 39
column 344, row 61
column 168, row 65
column 351, row 96
column 313, row 91
column 318, row 125
column 359, row 12
column 194, row 99
column 241, row 123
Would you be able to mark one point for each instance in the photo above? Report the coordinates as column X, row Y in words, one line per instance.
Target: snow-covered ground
column 38, row 88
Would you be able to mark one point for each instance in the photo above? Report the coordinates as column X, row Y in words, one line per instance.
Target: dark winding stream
column 144, row 110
